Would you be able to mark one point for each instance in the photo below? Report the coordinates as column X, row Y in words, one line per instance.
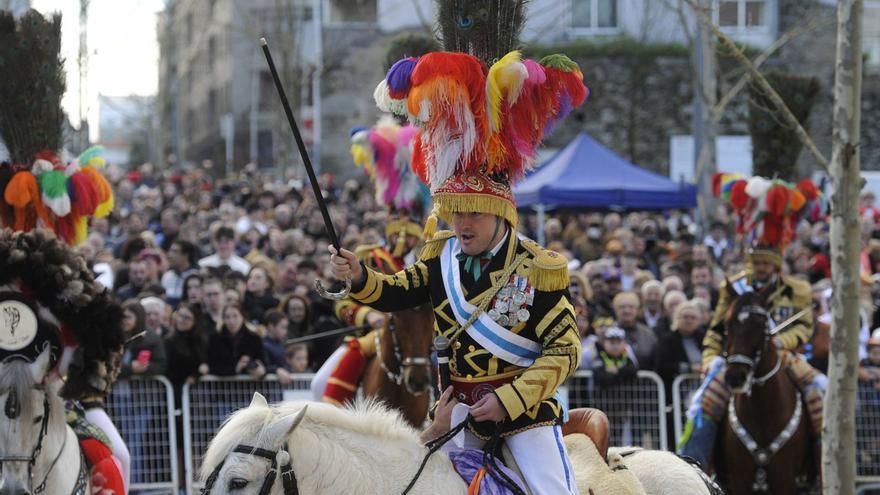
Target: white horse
column 320, row 449
column 39, row 453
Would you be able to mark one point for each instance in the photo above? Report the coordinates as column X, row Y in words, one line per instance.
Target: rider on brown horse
column 383, row 151
column 786, row 297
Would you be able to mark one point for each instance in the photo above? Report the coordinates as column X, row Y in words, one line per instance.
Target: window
column 742, row 14
column 354, row 11
column 594, row 14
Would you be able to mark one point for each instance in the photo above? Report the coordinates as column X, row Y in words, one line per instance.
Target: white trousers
column 319, row 381
column 541, row 457
column 99, row 418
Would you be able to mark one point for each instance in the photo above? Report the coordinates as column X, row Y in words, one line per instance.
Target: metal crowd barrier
column 143, row 411
column 207, row 403
column 867, row 426
column 635, row 409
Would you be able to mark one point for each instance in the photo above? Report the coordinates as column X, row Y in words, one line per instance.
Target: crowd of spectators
column 219, row 274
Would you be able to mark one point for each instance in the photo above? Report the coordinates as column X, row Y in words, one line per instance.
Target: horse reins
column 288, row 476
column 489, row 461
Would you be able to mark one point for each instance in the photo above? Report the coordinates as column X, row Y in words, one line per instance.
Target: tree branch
column 759, row 60
column 762, row 83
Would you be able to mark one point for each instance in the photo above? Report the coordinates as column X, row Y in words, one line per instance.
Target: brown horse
column 400, row 374
column 765, row 445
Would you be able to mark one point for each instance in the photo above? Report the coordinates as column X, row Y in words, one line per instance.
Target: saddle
column 591, row 422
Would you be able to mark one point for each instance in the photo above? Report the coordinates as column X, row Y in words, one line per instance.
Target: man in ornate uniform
column 384, row 153
column 788, row 297
column 501, row 300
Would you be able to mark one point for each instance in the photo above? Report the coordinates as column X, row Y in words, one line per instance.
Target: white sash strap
column 501, row 342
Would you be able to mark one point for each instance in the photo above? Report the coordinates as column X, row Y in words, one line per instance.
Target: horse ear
column 40, row 366
column 258, row 401
column 282, row 428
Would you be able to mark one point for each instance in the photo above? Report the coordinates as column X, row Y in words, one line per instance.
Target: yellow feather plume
column 504, row 82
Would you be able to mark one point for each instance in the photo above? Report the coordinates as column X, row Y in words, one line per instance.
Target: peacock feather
column 487, row 29
column 33, row 84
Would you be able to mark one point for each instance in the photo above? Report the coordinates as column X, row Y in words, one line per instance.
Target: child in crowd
column 613, row 365
column 296, row 360
column 273, row 343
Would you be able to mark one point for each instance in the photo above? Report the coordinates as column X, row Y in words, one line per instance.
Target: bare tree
column 838, row 448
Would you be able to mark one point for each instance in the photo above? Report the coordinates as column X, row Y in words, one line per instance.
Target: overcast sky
column 123, row 51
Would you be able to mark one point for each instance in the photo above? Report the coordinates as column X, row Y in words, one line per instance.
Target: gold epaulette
column 797, row 285
column 548, row 269
column 434, row 246
column 362, row 253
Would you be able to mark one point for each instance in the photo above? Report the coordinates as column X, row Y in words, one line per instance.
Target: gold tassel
column 548, row 270
column 549, row 279
column 434, row 247
column 450, row 203
column 431, row 223
column 400, row 245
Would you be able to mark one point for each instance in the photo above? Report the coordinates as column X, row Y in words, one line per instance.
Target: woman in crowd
column 235, row 349
column 145, row 355
column 297, row 310
column 258, row 296
column 192, row 289
column 186, row 348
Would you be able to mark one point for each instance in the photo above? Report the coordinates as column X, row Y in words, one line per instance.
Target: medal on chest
column 511, row 304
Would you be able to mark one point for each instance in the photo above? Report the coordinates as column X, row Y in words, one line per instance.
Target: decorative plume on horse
column 60, row 335
column 56, row 321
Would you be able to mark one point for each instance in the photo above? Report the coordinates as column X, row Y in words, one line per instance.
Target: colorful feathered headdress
column 479, row 127
column 55, row 196
column 768, row 210
column 385, row 152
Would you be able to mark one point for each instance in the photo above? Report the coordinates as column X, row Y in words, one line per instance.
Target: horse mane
column 366, row 417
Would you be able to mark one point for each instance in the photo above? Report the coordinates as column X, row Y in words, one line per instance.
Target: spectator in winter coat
column 235, row 349
column 145, row 356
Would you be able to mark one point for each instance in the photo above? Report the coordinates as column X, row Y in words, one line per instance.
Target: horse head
column 25, row 419
column 414, row 330
column 250, row 454
column 747, row 336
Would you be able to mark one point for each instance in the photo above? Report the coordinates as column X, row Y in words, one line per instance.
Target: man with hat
column 384, row 153
column 501, row 301
column 788, row 297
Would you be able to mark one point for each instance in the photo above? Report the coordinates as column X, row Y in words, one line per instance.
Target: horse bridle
column 770, row 329
column 12, row 410
column 280, row 456
column 402, row 362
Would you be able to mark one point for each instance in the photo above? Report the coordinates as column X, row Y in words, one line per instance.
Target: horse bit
column 13, row 410
column 761, row 455
column 282, row 457
column 403, row 362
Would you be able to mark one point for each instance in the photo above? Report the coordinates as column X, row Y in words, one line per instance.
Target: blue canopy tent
column 586, row 174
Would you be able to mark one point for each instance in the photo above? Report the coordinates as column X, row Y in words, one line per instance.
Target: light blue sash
column 501, row 342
